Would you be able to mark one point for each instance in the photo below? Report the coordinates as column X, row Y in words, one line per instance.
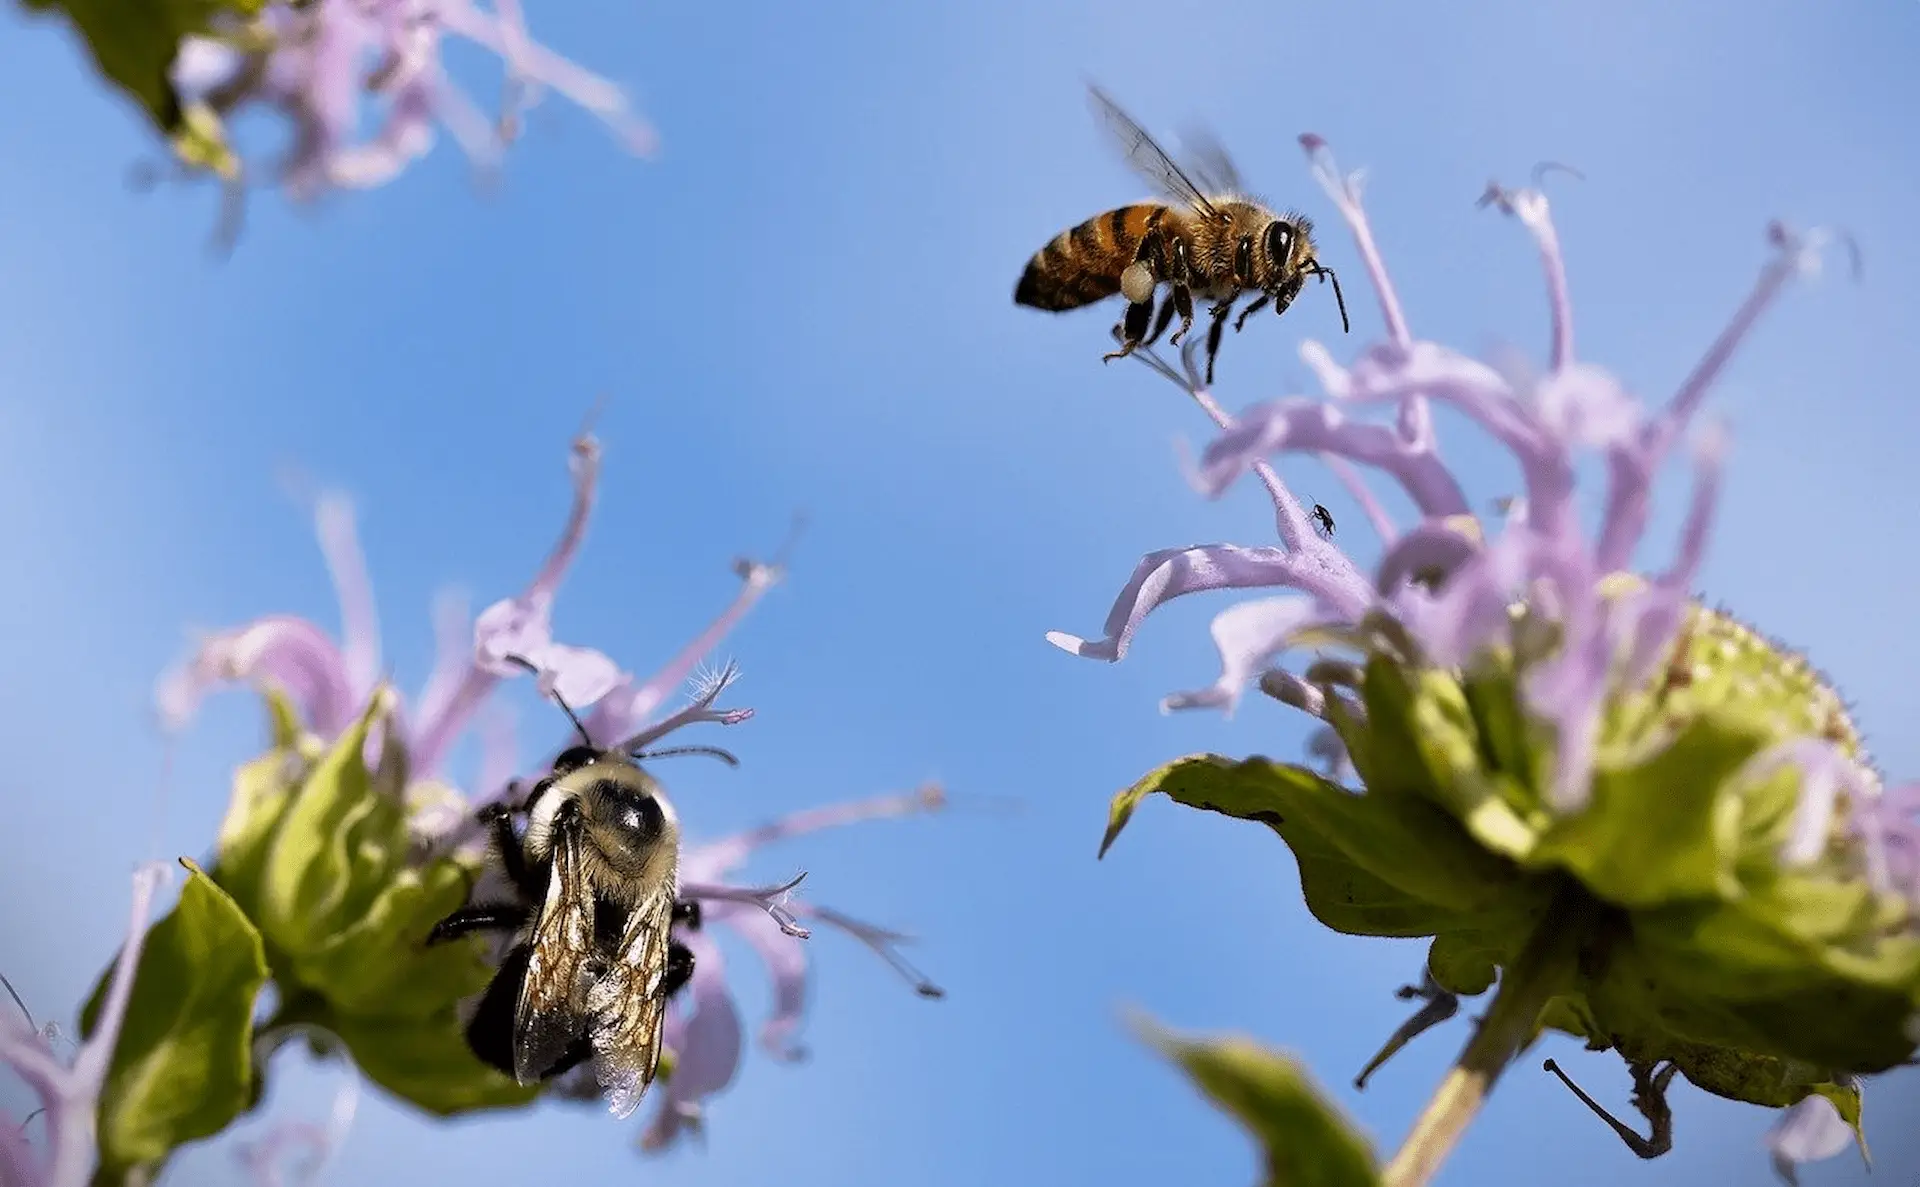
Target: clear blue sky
column 804, row 304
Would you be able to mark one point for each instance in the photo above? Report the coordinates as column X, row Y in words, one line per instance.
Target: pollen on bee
column 1137, row 282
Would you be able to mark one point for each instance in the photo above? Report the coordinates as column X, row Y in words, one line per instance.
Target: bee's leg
column 498, row 818
column 1259, row 303
column 478, row 917
column 686, row 912
column 1183, row 301
column 1214, row 330
column 679, row 969
column 1132, row 330
column 1161, row 323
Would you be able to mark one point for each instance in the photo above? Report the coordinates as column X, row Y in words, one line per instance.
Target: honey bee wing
column 629, row 1007
column 551, row 1016
column 1209, row 163
column 1148, row 159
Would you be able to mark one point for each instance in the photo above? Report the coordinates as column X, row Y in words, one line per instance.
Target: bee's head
column 623, row 814
column 1291, row 258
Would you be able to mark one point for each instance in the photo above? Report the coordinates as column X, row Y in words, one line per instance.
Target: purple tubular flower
column 315, row 63
column 1452, row 590
column 329, row 683
column 69, row 1093
column 704, row 1028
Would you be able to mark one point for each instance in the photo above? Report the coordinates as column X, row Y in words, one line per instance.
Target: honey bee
column 1213, row 242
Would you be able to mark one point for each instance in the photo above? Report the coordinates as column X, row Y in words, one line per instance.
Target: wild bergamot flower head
column 1656, row 825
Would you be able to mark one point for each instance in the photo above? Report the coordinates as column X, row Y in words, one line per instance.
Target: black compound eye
column 637, row 816
column 1280, row 241
column 1243, row 260
column 573, row 758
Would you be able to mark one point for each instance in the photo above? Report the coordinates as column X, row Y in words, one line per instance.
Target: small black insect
column 1323, row 521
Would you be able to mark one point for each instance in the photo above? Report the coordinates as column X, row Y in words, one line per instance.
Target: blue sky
column 803, row 304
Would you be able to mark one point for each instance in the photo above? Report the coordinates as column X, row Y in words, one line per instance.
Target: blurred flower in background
column 361, row 85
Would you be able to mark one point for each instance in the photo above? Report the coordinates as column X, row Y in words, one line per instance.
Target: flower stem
column 1547, row 966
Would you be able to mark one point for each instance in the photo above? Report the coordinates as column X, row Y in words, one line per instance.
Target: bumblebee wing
column 629, row 1007
column 1209, row 163
column 1148, row 159
column 552, row 1017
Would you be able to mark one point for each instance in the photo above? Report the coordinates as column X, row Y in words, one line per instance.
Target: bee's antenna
column 520, row 661
column 15, row 995
column 1325, row 273
column 724, row 756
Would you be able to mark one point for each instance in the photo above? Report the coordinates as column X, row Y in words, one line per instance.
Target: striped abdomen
column 1083, row 265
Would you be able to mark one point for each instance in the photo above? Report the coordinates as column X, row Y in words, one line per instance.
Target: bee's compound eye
column 1280, row 241
column 640, row 818
column 573, row 758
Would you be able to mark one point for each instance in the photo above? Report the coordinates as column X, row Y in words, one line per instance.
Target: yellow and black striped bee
column 1213, row 242
column 593, row 871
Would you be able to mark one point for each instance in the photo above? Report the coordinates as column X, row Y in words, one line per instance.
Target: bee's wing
column 552, row 1014
column 1209, row 163
column 1148, row 159
column 628, row 1007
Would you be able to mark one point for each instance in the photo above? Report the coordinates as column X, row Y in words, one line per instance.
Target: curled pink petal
column 1298, row 425
column 1163, row 576
column 1247, row 635
column 289, row 653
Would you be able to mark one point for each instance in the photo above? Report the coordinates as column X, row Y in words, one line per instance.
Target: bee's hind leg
column 1218, row 327
column 478, row 917
column 1161, row 323
column 1131, row 330
column 1183, row 303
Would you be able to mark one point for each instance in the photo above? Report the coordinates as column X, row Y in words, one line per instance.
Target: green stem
column 1546, row 967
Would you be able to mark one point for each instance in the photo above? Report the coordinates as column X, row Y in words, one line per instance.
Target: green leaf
column 262, row 789
column 335, row 850
column 1464, row 961
column 380, row 967
column 1369, row 865
column 1663, row 831
column 426, row 1062
column 1307, row 1142
column 182, row 1067
column 1775, row 972
column 133, row 45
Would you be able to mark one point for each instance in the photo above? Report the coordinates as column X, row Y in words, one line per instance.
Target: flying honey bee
column 1213, row 242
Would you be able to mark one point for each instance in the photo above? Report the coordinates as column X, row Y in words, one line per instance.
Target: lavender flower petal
column 510, row 623
column 290, row 653
column 1247, row 635
column 705, row 1040
column 1299, row 425
column 1807, row 1132
column 359, row 620
column 1174, row 572
column 786, row 962
column 623, row 712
